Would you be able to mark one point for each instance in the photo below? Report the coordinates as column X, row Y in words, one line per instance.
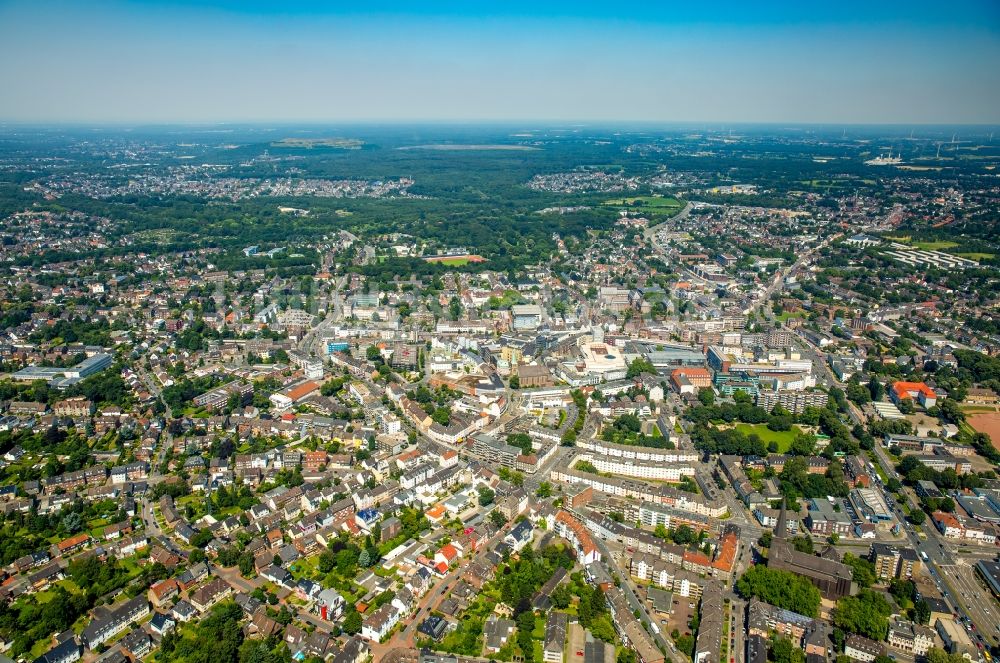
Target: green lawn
column 978, row 256
column 783, row 439
column 936, row 245
column 785, row 315
column 658, row 204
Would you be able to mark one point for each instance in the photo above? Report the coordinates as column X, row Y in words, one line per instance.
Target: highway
column 976, row 602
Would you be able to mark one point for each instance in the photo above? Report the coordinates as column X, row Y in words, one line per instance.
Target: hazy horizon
column 141, row 62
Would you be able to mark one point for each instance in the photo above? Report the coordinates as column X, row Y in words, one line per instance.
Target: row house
column 132, row 472
column 112, row 622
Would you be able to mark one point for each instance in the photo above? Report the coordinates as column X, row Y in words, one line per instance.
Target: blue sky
column 311, row 61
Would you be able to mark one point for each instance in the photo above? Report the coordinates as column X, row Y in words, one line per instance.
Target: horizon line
column 474, row 121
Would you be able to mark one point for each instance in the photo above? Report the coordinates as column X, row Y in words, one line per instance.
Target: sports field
column 658, row 204
column 456, row 261
column 986, row 422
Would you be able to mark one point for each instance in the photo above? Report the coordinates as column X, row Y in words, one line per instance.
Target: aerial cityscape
column 445, row 378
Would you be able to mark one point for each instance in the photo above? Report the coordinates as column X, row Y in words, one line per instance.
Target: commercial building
column 824, row 518
column 526, row 316
column 955, row 639
column 989, row 571
column 870, row 504
column 65, row 377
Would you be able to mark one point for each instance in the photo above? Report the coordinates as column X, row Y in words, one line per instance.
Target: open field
column 785, row 315
column 656, row 204
column 309, row 143
column 459, row 147
column 978, row 256
column 939, row 245
column 782, row 438
column 456, row 261
column 987, row 422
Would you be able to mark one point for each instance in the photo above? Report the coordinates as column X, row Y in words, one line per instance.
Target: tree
column 876, row 389
column 72, row 522
column 803, row 544
column 522, row 441
column 863, row 570
column 497, row 518
column 525, row 625
column 561, row 597
column 486, row 495
column 866, row 614
column 544, row 490
column 684, row 535
column 685, row 644
column 707, row 396
column 782, row 651
column 858, row 394
column 917, row 517
column 639, row 366
column 626, row 655
column 921, row 612
column 935, row 655
column 781, row 588
column 352, row 621
column 327, row 560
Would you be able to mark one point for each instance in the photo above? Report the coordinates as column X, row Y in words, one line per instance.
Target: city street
column 977, row 602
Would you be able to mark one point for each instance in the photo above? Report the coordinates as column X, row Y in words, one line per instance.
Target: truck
column 923, row 555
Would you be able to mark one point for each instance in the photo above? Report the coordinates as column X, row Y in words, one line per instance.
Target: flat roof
column 989, row 569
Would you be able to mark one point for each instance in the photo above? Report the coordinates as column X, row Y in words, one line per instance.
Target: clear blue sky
column 246, row 60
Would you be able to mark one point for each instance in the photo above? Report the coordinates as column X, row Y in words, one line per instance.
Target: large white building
column 640, row 469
